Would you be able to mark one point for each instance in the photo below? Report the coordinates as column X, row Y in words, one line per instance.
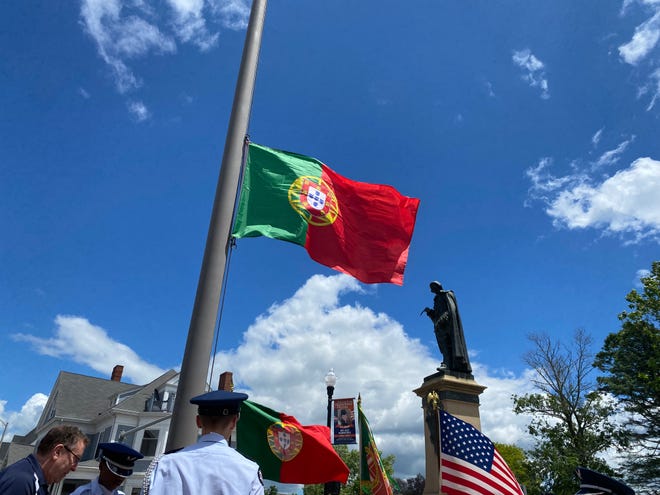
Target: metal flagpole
column 195, row 364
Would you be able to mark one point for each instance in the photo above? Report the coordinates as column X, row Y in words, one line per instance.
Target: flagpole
column 195, row 364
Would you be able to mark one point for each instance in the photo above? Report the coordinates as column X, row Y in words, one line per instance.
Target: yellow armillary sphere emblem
column 285, row 440
column 314, row 200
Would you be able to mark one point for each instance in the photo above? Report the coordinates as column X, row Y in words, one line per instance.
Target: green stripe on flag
column 264, row 207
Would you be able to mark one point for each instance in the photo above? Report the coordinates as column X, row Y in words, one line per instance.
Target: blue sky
column 528, row 130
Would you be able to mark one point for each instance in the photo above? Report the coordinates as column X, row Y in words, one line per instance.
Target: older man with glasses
column 58, row 453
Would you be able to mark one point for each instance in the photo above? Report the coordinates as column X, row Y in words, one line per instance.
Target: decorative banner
column 344, row 422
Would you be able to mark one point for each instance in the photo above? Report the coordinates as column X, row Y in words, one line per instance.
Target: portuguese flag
column 357, row 228
column 373, row 478
column 285, row 450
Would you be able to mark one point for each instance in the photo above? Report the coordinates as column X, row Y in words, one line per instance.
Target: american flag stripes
column 469, row 462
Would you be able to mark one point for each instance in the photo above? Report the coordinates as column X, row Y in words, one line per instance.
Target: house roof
column 14, row 452
column 85, row 398
column 81, row 397
column 136, row 402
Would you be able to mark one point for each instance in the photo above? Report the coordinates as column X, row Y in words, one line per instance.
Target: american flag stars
column 462, row 440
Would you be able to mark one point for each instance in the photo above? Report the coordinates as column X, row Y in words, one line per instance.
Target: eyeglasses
column 76, row 456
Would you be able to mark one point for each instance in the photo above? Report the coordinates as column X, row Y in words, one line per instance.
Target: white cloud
column 190, row 25
column 612, row 156
column 125, row 30
column 534, row 73
column 489, row 89
column 544, row 184
column 233, row 14
column 79, row 340
column 626, row 203
column 498, row 421
column 21, row 422
column 120, row 36
column 138, row 110
column 654, row 88
column 644, row 43
column 596, row 137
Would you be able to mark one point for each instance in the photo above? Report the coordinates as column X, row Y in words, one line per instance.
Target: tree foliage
column 630, row 360
column 570, row 417
column 352, row 459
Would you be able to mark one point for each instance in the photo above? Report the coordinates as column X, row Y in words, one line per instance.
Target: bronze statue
column 448, row 329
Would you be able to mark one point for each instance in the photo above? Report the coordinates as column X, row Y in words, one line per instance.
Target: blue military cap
column 119, row 458
column 593, row 482
column 219, row 403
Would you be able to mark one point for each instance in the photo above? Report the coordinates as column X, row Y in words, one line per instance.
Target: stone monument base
column 454, row 392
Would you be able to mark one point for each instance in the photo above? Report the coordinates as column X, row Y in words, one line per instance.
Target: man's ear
column 57, row 451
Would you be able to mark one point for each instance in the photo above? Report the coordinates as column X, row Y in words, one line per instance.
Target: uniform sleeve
column 18, row 483
column 83, row 490
column 257, row 487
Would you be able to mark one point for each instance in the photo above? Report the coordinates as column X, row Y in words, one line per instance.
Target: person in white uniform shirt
column 116, row 461
column 210, row 466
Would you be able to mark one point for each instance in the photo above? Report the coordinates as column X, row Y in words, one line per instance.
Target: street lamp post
column 330, row 381
column 331, row 487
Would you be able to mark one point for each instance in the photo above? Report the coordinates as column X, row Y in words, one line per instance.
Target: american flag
column 469, row 462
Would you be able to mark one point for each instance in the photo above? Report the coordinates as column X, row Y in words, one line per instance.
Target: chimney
column 116, row 373
column 226, row 382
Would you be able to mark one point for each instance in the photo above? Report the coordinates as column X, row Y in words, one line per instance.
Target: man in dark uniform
column 116, row 461
column 448, row 329
column 58, row 454
column 594, row 483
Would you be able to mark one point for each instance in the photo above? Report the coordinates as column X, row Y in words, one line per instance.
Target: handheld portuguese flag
column 357, row 228
column 285, row 450
column 373, row 478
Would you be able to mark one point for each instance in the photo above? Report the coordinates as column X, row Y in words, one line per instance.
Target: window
column 105, row 435
column 126, row 395
column 128, row 439
column 90, row 450
column 170, row 402
column 149, row 443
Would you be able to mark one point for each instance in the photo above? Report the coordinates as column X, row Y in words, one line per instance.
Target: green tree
column 570, row 417
column 271, row 490
column 351, row 458
column 517, row 460
column 630, row 360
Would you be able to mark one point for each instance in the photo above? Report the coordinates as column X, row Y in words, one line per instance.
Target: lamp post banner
column 344, row 422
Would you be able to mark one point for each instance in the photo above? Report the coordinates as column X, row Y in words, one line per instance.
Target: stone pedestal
column 454, row 392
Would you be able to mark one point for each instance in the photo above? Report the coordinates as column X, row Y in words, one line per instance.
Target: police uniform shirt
column 210, row 466
column 24, row 477
column 95, row 488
